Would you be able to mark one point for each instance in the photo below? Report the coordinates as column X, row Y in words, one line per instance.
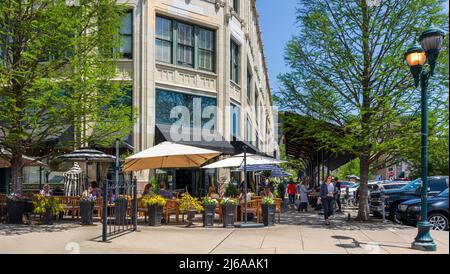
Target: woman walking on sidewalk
column 303, row 197
column 327, row 191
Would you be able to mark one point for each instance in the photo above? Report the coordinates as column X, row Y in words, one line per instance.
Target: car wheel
column 438, row 221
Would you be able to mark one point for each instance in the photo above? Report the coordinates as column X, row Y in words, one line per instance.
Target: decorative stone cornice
column 219, row 4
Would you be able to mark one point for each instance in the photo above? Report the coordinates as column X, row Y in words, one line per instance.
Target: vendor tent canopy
column 238, row 160
column 169, row 155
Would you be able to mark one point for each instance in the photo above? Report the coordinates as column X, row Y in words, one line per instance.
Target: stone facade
column 239, row 25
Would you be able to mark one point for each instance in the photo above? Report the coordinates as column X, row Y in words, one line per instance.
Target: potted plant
column 87, row 203
column 209, row 210
column 231, row 191
column 189, row 205
column 155, row 204
column 281, row 190
column 16, row 206
column 228, row 209
column 268, row 211
column 49, row 206
column 120, row 209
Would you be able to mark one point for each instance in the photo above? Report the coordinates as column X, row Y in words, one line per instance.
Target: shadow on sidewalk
column 339, row 221
column 13, row 229
column 368, row 246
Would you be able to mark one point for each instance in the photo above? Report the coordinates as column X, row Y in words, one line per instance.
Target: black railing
column 119, row 208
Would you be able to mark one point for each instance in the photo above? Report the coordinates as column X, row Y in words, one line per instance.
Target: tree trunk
column 363, row 204
column 363, row 210
column 17, row 171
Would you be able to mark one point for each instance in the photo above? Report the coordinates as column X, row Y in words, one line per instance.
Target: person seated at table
column 249, row 196
column 212, row 193
column 46, row 190
column 163, row 192
column 267, row 193
column 87, row 191
column 148, row 189
column 96, row 190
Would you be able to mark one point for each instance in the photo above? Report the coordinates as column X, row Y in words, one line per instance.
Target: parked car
column 394, row 184
column 393, row 197
column 409, row 211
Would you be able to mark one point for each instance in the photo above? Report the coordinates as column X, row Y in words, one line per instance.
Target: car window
column 413, row 185
column 438, row 184
column 444, row 193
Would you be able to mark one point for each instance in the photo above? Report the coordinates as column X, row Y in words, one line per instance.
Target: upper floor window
column 249, row 85
column 248, row 132
column 236, row 5
column 184, row 44
column 235, row 120
column 234, row 62
column 126, row 35
column 256, row 103
column 163, row 40
column 206, row 49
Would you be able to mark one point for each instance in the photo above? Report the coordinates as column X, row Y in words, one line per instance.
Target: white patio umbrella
column 238, row 160
column 169, row 155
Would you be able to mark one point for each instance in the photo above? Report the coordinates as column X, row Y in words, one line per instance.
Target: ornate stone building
column 179, row 52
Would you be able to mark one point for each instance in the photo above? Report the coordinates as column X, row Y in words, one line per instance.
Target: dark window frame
column 196, row 45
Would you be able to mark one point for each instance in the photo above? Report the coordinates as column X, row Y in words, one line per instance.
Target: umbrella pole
column 245, row 182
column 117, row 167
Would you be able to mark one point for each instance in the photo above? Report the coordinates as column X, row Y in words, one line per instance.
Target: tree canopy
column 58, row 70
column 347, row 69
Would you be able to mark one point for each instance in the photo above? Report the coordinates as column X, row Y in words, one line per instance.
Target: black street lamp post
column 430, row 44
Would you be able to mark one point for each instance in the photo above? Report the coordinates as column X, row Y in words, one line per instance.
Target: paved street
column 298, row 233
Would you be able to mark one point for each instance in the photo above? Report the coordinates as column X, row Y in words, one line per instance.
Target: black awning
column 239, row 143
column 208, row 140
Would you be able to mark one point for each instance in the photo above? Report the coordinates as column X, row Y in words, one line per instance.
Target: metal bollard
column 383, row 209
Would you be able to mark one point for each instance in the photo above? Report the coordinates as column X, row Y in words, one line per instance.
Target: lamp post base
column 423, row 240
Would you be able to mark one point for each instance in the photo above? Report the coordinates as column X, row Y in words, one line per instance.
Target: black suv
column 409, row 211
column 393, row 197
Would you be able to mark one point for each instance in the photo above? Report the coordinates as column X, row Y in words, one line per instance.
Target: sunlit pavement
column 298, row 233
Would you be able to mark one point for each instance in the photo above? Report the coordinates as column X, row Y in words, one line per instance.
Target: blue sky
column 277, row 20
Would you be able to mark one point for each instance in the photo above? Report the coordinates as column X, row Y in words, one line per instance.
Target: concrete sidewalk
column 298, row 233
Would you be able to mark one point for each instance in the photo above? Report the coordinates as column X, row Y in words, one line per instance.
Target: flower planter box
column 120, row 208
column 268, row 214
column 208, row 215
column 155, row 215
column 228, row 215
column 48, row 216
column 86, row 209
column 15, row 210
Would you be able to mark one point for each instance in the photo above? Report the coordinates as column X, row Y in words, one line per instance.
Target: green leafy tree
column 58, row 67
column 349, row 168
column 348, row 73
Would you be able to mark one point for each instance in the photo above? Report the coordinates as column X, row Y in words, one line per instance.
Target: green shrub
column 280, row 189
column 231, row 191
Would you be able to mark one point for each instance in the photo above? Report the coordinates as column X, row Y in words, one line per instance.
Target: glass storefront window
column 168, row 100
